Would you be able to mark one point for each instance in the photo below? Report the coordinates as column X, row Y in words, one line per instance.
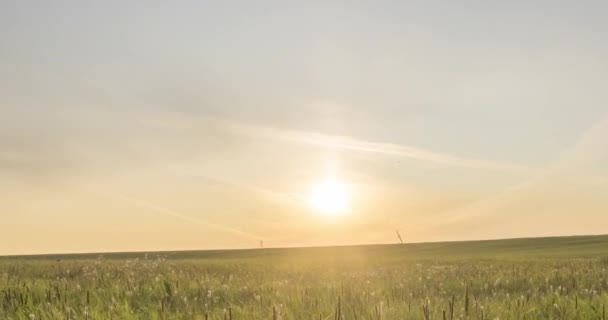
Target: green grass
column 536, row 278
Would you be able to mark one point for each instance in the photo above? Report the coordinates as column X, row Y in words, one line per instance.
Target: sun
column 330, row 197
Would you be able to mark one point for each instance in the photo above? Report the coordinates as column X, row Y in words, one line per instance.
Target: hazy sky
column 157, row 125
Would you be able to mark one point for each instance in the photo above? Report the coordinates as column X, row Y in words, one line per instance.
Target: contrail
column 171, row 213
column 578, row 155
column 349, row 143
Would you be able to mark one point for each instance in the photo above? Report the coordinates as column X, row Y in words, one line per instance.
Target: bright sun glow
column 330, row 197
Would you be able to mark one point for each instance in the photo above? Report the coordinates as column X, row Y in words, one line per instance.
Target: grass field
column 537, row 278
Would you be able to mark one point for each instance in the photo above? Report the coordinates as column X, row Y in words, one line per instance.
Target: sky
column 175, row 125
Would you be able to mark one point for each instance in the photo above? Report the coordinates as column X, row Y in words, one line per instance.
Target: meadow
column 539, row 278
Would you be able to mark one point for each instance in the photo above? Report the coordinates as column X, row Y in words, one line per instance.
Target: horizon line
column 42, row 255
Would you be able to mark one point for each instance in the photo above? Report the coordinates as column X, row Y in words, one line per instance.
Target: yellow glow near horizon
column 330, row 197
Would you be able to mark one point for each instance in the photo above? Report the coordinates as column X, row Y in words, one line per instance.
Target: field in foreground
column 542, row 278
